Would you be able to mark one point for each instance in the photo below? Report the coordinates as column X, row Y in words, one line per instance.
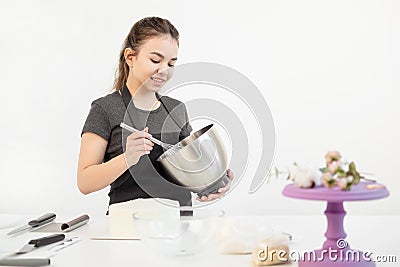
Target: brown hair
column 141, row 31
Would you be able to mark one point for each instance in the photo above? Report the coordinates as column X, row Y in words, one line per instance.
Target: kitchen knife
column 35, row 223
column 35, row 243
column 75, row 223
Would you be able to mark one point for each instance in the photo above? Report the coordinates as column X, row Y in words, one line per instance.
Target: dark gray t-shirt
column 169, row 123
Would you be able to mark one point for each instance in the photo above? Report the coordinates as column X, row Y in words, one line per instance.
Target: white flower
column 305, row 177
column 350, row 178
column 317, row 177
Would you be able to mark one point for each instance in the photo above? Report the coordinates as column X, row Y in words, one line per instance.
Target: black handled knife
column 43, row 241
column 35, row 223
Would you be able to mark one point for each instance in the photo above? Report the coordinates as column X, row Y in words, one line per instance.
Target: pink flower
column 332, row 156
column 328, row 180
column 334, row 166
column 342, row 183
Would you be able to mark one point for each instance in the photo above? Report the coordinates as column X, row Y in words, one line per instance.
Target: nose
column 163, row 69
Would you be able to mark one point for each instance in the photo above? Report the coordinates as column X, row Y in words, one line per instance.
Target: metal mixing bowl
column 198, row 162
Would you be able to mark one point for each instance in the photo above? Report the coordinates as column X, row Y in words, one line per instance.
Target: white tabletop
column 379, row 235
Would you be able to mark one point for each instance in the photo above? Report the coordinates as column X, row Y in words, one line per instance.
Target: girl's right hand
column 137, row 145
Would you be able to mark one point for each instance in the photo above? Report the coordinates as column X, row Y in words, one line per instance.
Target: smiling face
column 152, row 65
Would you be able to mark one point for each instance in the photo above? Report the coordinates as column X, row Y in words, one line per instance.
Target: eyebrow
column 162, row 56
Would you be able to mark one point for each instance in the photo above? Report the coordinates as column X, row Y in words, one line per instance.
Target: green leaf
column 357, row 177
column 348, row 187
column 341, row 173
column 352, row 166
column 331, row 181
column 353, row 171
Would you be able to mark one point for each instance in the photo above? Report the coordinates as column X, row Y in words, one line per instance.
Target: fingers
column 203, row 199
column 210, row 197
column 138, row 135
column 225, row 189
column 137, row 145
column 230, row 174
column 140, row 141
column 142, row 148
column 140, row 144
column 221, row 191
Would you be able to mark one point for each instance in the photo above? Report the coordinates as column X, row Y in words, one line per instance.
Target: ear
column 130, row 56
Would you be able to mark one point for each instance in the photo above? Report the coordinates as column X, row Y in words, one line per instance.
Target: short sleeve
column 97, row 122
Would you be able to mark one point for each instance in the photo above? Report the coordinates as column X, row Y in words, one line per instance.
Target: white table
column 384, row 239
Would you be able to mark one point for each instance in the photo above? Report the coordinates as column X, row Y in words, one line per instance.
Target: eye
column 155, row 61
column 170, row 65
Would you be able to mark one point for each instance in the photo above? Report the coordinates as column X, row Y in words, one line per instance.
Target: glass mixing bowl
column 189, row 231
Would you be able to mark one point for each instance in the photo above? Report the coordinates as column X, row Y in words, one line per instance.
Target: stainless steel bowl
column 198, row 162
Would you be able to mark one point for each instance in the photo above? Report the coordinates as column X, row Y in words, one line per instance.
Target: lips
column 157, row 79
column 157, row 82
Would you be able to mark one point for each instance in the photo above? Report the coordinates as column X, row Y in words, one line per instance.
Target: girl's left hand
column 221, row 191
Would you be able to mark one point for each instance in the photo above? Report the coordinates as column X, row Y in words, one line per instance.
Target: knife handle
column 75, row 223
column 42, row 219
column 47, row 240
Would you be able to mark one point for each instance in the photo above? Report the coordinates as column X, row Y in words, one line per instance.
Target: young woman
column 146, row 63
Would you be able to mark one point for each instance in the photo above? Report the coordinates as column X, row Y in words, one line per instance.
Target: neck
column 142, row 98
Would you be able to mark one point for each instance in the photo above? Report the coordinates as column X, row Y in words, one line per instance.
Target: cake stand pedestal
column 335, row 250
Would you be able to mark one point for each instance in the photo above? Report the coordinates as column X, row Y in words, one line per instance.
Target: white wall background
column 328, row 69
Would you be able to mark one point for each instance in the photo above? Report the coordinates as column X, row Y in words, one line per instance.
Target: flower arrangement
column 335, row 173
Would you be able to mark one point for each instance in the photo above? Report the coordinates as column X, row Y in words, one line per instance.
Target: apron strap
column 127, row 98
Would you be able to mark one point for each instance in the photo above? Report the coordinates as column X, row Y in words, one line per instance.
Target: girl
column 146, row 63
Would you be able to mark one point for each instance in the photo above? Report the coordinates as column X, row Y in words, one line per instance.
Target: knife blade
column 39, row 242
column 65, row 244
column 48, row 217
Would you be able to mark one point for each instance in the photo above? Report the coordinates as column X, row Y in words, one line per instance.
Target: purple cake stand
column 335, row 250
